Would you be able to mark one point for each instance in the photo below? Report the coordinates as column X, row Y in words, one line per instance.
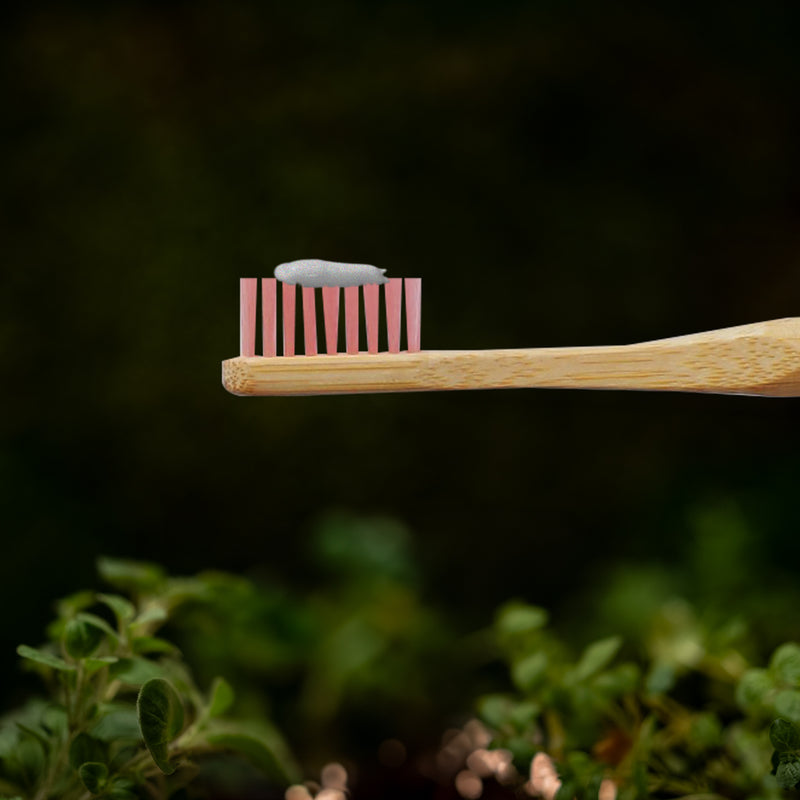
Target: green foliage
column 580, row 777
column 124, row 711
column 221, row 697
column 251, row 747
column 595, row 658
column 601, row 715
column 94, row 776
column 86, row 748
column 123, row 610
column 81, row 638
column 788, row 771
column 131, row 576
column 676, row 711
column 44, row 658
column 785, row 738
column 517, row 618
column 160, row 714
column 358, row 643
column 785, row 663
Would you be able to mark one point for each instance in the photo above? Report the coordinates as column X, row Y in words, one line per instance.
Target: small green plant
column 773, row 692
column 785, row 738
column 124, row 718
column 680, row 715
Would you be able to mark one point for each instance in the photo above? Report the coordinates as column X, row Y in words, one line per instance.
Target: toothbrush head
column 357, row 280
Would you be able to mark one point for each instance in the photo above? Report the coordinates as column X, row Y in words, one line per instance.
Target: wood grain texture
column 758, row 359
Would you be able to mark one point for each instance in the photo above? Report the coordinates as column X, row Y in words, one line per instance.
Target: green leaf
column 788, row 773
column 496, row 709
column 160, row 719
column 152, row 644
column 261, row 743
column 98, row 622
column 620, row 680
column 86, row 748
column 123, row 609
column 47, row 659
column 754, row 688
column 785, row 663
column 179, row 590
column 54, row 720
column 26, row 764
column 81, row 638
column 122, row 789
column 32, row 733
column 516, row 618
column 253, row 749
column 524, row 715
column 135, row 671
column 661, row 678
column 529, row 671
column 787, row 704
column 9, row 739
column 705, row 732
column 596, row 657
column 117, row 724
column 68, row 607
column 221, row 697
column 94, row 776
column 127, row 752
column 92, row 665
column 784, row 736
column 593, row 787
column 153, row 613
column 566, row 791
column 138, row 576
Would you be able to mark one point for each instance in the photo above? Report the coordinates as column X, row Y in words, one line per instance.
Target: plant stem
column 74, row 713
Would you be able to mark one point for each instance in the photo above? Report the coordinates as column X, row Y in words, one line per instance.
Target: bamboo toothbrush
column 762, row 358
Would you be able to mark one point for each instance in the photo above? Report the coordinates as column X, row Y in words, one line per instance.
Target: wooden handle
column 758, row 359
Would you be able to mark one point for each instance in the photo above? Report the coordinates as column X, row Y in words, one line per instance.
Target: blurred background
column 558, row 174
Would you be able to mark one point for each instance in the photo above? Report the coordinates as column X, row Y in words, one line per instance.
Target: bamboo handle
column 758, row 359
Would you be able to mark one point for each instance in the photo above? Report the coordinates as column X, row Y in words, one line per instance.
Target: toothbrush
column 761, row 359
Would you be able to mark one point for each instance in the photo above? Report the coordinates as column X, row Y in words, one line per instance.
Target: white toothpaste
column 313, row 272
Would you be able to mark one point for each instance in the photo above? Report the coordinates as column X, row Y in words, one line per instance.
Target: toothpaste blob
column 313, row 272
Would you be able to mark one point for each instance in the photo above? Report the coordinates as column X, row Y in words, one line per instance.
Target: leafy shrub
column 124, row 714
column 682, row 716
column 353, row 656
column 674, row 709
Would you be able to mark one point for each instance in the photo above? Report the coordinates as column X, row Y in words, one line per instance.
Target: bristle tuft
column 413, row 313
column 330, row 308
column 269, row 316
column 371, row 298
column 289, row 293
column 309, row 321
column 394, row 300
column 248, row 294
column 351, row 319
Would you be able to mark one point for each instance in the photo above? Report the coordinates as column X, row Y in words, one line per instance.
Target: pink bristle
column 351, row 318
column 269, row 316
column 413, row 313
column 289, row 293
column 330, row 307
column 309, row 321
column 394, row 299
column 371, row 298
column 248, row 293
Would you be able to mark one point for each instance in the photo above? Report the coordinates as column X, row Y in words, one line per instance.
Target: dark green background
column 558, row 173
